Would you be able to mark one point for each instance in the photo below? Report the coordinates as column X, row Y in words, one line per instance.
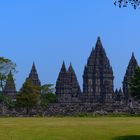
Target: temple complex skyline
column 132, row 64
column 98, row 81
column 49, row 32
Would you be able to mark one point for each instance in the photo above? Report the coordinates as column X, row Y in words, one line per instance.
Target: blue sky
column 50, row 31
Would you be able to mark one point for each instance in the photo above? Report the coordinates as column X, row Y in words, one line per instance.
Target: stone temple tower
column 62, row 81
column 67, row 86
column 10, row 89
column 128, row 75
column 62, row 85
column 98, row 77
column 73, row 82
column 33, row 76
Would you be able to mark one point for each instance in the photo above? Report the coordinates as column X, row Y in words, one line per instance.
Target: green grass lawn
column 101, row 128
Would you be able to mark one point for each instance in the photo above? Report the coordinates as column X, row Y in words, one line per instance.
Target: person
column 130, row 106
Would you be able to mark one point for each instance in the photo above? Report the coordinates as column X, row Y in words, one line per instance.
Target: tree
column 46, row 99
column 47, row 88
column 125, row 3
column 28, row 96
column 6, row 102
column 47, row 95
column 6, row 65
column 135, row 85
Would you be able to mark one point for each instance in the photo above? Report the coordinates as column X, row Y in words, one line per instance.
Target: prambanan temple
column 98, row 86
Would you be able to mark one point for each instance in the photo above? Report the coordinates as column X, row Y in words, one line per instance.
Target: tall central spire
column 98, row 75
column 98, row 55
column 98, row 43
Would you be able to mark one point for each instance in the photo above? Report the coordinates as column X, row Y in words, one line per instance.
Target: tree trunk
column 27, row 111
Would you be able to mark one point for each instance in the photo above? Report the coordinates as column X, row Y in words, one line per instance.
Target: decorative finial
column 63, row 65
column 63, row 62
column 98, row 43
column 98, row 38
column 133, row 54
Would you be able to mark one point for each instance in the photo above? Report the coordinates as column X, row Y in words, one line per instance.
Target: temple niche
column 129, row 75
column 98, row 77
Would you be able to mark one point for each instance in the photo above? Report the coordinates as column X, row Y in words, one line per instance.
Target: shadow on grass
column 131, row 137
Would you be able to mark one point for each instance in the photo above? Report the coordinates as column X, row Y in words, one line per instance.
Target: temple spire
column 133, row 55
column 70, row 69
column 116, row 91
column 62, row 82
column 133, row 61
column 67, row 86
column 98, row 54
column 98, row 43
column 128, row 75
column 10, row 89
column 63, row 68
column 73, row 82
column 119, row 96
column 33, row 76
column 92, row 52
column 98, row 76
column 120, row 91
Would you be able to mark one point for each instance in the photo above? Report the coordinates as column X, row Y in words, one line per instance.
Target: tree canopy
column 135, row 85
column 28, row 96
column 6, row 65
column 5, row 100
column 47, row 88
column 125, row 3
column 47, row 95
